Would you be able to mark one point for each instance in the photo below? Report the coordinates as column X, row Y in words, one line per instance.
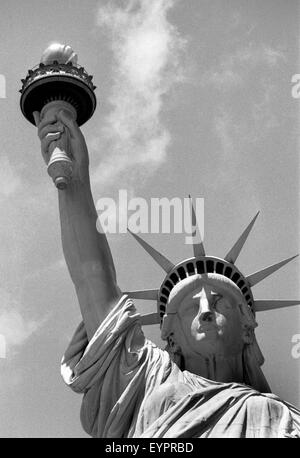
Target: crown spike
column 150, row 318
column 198, row 248
column 148, row 294
column 265, row 305
column 232, row 255
column 166, row 265
column 257, row 277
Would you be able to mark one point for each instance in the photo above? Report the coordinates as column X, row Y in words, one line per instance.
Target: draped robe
column 131, row 388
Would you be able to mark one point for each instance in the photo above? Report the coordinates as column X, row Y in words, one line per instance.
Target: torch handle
column 60, row 164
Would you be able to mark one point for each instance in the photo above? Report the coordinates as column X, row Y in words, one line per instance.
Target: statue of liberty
column 208, row 381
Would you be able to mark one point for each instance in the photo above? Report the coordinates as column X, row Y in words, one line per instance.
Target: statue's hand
column 52, row 128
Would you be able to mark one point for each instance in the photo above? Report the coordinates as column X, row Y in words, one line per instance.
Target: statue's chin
column 212, row 343
column 207, row 343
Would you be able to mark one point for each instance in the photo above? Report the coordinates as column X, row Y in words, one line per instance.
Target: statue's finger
column 47, row 121
column 50, row 128
column 68, row 120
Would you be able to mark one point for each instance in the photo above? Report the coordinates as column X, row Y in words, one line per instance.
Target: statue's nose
column 206, row 313
column 206, row 316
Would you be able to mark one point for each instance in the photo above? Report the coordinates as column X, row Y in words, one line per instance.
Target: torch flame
column 63, row 54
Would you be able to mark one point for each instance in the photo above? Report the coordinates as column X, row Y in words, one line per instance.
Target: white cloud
column 235, row 67
column 9, row 180
column 225, row 77
column 15, row 329
column 240, row 69
column 146, row 50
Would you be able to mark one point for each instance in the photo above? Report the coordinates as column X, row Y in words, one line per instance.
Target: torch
column 57, row 83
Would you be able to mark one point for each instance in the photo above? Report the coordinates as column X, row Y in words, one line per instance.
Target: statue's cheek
column 221, row 321
column 194, row 327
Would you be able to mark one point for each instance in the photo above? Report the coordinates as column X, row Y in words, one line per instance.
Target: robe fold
column 131, row 388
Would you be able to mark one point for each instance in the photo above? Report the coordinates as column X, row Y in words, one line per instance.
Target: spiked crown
column 200, row 263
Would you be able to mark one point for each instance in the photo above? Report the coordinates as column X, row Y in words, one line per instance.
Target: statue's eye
column 217, row 300
column 222, row 304
column 189, row 306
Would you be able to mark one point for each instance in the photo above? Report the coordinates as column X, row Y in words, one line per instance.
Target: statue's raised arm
column 86, row 250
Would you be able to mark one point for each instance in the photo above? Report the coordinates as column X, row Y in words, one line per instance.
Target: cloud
column 246, row 76
column 146, row 51
column 234, row 68
column 51, row 267
column 245, row 113
column 9, row 180
column 15, row 329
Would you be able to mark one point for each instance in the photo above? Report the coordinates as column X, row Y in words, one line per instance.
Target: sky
column 193, row 97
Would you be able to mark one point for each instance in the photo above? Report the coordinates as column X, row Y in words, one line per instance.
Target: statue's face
column 208, row 322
